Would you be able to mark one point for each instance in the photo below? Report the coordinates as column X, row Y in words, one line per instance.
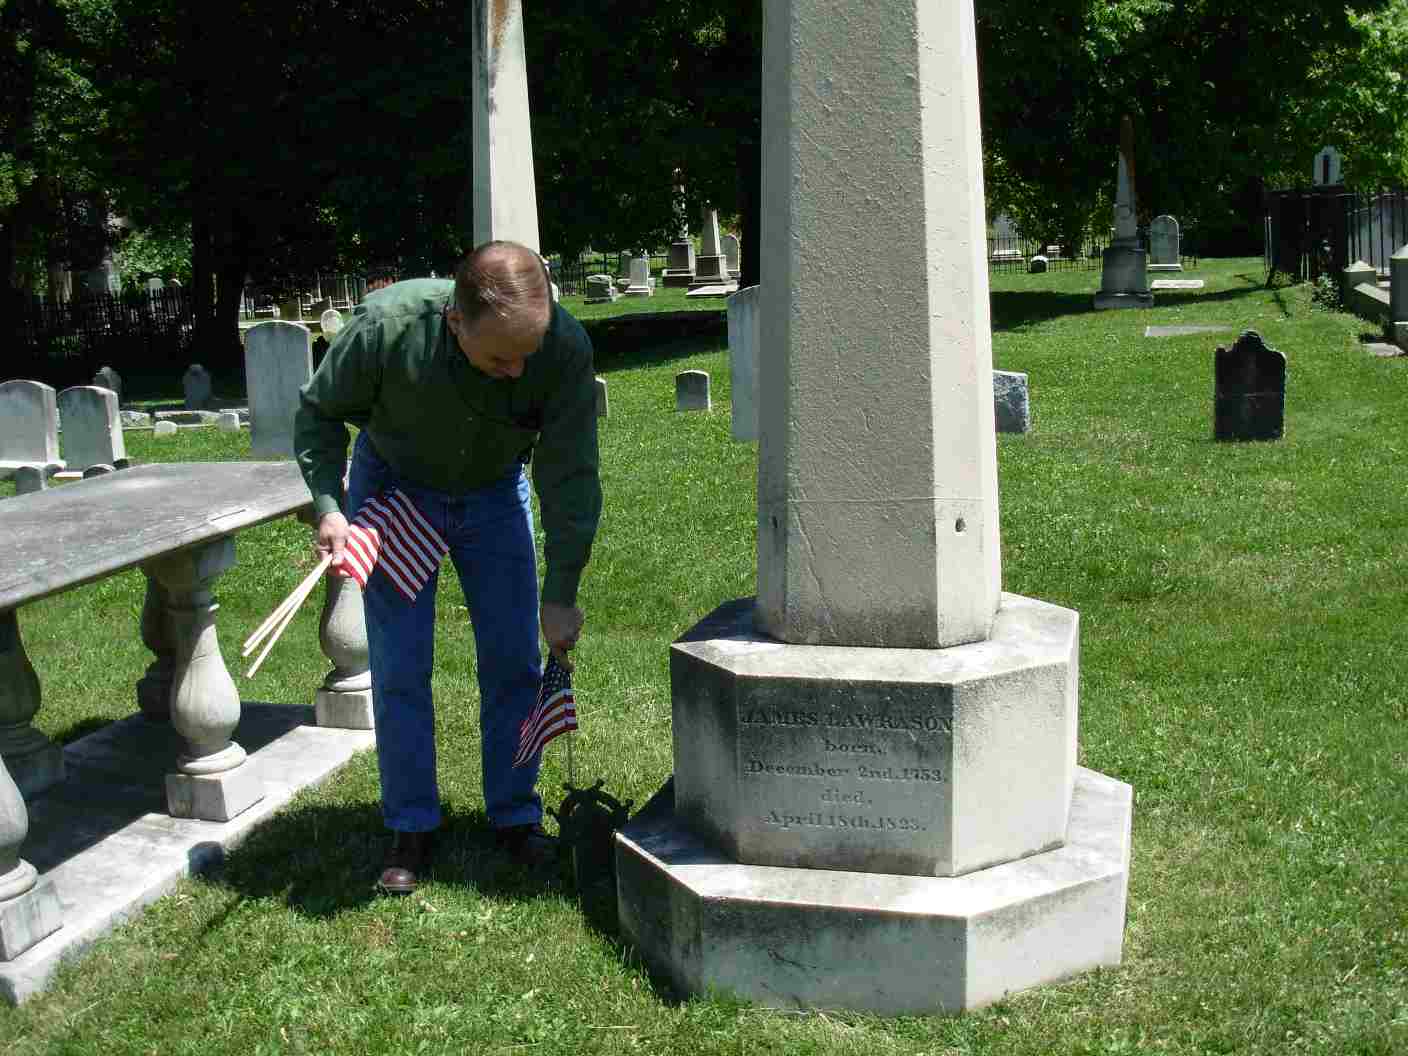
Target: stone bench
column 177, row 522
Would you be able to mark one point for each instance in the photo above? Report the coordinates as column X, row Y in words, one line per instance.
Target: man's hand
column 332, row 539
column 562, row 626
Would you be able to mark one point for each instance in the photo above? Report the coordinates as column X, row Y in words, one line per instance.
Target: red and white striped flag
column 555, row 712
column 389, row 533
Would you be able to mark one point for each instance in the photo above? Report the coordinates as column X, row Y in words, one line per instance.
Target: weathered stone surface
column 1165, row 250
column 29, row 425
column 1185, row 330
column 1123, row 282
column 600, row 289
column 163, row 429
column 1357, row 273
column 213, row 797
column 1249, row 398
column 135, row 419
column 70, row 535
column 505, row 192
column 639, row 284
column 893, row 945
column 228, row 422
column 877, row 496
column 278, row 361
column 28, row 918
column 732, row 256
column 108, row 846
column 92, row 430
column 1011, row 399
column 923, row 762
column 692, row 391
column 743, row 312
column 197, row 386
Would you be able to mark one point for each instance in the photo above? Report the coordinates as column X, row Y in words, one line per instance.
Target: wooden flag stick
column 294, row 599
column 278, row 632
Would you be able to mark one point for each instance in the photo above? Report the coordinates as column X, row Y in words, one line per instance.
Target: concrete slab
column 1176, row 284
column 1184, row 331
column 712, row 291
column 103, row 839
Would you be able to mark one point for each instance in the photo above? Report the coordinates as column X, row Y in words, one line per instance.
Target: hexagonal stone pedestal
column 881, row 943
column 926, row 762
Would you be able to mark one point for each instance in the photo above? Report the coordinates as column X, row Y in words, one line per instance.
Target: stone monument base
column 213, row 797
column 894, row 945
column 1165, row 267
column 681, row 277
column 346, row 710
column 711, row 270
column 30, row 917
column 1123, row 283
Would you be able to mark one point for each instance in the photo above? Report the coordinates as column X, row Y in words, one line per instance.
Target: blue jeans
column 490, row 534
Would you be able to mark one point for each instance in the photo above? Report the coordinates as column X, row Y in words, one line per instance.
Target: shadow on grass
column 80, row 729
column 322, row 860
column 622, row 357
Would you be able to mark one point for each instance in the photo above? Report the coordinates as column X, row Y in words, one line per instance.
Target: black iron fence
column 571, row 275
column 63, row 342
column 314, row 295
column 1310, row 232
column 1014, row 253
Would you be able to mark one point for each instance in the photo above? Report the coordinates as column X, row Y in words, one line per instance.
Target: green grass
column 1241, row 610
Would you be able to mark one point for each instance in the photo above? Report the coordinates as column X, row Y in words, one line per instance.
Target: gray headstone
column 134, row 419
column 164, row 429
column 1249, row 390
column 196, row 383
column 228, row 422
column 1011, row 402
column 692, row 391
column 92, row 430
column 1398, row 286
column 743, row 363
column 29, row 423
column 1037, row 265
column 107, row 378
column 331, row 323
column 639, row 285
column 1164, row 246
column 731, row 253
column 278, row 361
column 600, row 289
column 603, row 406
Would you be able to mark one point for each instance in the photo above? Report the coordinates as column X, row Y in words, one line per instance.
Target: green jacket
column 397, row 373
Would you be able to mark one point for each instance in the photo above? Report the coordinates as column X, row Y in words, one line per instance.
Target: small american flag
column 389, row 533
column 555, row 712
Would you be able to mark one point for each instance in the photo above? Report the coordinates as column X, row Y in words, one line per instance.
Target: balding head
column 506, row 280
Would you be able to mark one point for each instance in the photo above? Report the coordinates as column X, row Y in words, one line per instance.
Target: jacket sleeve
column 342, row 389
column 565, row 474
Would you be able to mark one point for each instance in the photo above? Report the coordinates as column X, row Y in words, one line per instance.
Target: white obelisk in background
column 505, row 193
column 877, row 480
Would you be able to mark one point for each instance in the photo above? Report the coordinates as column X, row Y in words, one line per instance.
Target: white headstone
column 505, row 194
column 731, row 254
column 196, row 384
column 278, row 361
column 710, row 266
column 92, row 429
column 743, row 362
column 1327, row 168
column 164, row 429
column 331, row 323
column 228, row 422
column 640, row 278
column 1164, row 248
column 692, row 391
column 29, row 424
column 877, row 497
column 154, row 284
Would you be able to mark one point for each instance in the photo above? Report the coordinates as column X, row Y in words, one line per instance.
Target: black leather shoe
column 528, row 845
column 407, row 858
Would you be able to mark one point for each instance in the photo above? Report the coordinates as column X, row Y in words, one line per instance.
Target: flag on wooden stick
column 554, row 713
column 389, row 533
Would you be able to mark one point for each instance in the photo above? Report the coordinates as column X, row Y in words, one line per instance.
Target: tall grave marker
column 877, row 804
column 92, row 428
column 505, row 193
column 278, row 361
column 1123, row 283
column 29, row 426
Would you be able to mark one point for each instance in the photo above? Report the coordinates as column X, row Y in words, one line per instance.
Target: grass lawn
column 1242, row 616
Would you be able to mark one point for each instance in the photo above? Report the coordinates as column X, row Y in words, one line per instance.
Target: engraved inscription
column 841, row 720
column 819, row 819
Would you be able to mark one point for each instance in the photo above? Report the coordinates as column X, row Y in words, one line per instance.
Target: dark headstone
column 1249, row 391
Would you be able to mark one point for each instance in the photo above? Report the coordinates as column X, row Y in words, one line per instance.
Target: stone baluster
column 35, row 762
column 154, row 688
column 213, row 784
column 29, row 905
column 345, row 699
